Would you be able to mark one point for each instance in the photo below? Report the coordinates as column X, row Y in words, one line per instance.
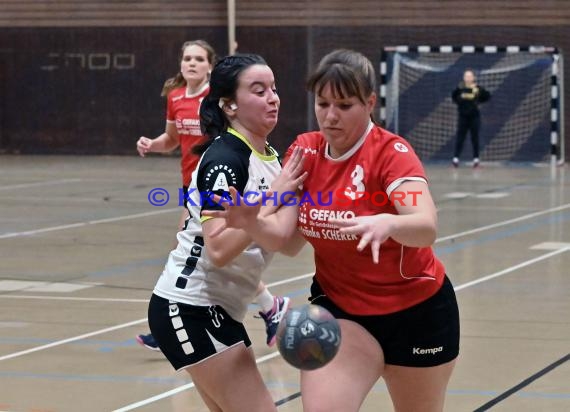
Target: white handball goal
column 522, row 122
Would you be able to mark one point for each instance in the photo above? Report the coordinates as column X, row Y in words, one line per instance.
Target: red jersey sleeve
column 398, row 163
column 311, row 142
column 289, row 151
column 169, row 109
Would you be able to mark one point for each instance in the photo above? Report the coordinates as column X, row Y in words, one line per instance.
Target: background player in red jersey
column 377, row 274
column 185, row 92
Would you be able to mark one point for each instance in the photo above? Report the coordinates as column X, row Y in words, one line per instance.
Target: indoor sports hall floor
column 81, row 248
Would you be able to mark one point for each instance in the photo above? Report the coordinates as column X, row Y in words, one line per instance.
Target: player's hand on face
column 238, row 213
column 292, row 175
column 144, row 145
column 373, row 230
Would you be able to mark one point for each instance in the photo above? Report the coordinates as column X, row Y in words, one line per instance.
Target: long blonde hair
column 178, row 80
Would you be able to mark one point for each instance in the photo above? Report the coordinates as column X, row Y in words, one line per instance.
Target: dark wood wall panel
column 97, row 79
column 94, row 90
column 404, row 13
column 111, row 13
column 66, row 13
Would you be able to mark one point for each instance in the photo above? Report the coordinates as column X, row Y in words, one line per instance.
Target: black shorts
column 426, row 334
column 188, row 334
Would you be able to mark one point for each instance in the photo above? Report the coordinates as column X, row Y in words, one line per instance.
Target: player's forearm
column 272, row 232
column 226, row 246
column 294, row 245
column 415, row 230
column 270, row 204
column 268, row 208
column 164, row 143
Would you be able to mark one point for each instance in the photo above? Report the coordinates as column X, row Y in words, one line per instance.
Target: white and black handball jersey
column 189, row 277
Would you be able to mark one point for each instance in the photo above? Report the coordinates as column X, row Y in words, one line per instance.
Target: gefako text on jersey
column 359, row 182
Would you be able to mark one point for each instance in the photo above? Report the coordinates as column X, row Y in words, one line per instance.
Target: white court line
column 121, row 300
column 135, row 216
column 503, row 223
column 90, row 222
column 101, row 331
column 73, row 339
column 71, row 298
column 293, row 279
column 260, row 360
column 47, row 182
column 266, row 357
column 282, row 282
column 512, row 268
column 181, row 388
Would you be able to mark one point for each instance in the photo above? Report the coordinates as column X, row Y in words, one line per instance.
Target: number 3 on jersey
column 358, row 188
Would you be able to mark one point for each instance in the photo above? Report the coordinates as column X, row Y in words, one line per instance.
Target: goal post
column 523, row 121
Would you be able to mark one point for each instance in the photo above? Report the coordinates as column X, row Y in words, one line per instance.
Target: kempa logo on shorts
column 428, row 351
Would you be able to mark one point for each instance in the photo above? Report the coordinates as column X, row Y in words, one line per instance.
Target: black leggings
column 464, row 125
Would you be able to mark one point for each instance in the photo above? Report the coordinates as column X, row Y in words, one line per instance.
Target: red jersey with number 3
column 184, row 110
column 363, row 182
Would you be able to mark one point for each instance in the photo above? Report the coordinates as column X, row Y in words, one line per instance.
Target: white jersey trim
column 353, row 149
column 189, row 95
column 396, row 183
column 428, row 277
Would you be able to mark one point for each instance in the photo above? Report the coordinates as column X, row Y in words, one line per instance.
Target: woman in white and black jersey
column 201, row 298
column 184, row 93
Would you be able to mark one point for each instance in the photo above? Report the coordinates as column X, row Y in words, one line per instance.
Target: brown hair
column 349, row 73
column 178, row 80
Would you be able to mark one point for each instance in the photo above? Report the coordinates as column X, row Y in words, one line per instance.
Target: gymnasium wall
column 84, row 76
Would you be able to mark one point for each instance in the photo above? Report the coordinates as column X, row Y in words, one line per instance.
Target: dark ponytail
column 212, row 119
column 223, row 85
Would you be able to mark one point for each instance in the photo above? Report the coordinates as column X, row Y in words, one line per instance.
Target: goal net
column 519, row 123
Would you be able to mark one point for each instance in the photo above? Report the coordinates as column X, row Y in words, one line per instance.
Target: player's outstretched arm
column 223, row 244
column 166, row 142
column 270, row 220
column 271, row 232
column 415, row 225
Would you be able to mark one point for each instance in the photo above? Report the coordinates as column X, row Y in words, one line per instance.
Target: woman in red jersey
column 366, row 209
column 185, row 92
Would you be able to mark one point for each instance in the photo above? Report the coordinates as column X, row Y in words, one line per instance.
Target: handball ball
column 308, row 337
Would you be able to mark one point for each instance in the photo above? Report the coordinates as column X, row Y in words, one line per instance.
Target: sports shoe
column 455, row 162
column 475, row 162
column 274, row 316
column 148, row 342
